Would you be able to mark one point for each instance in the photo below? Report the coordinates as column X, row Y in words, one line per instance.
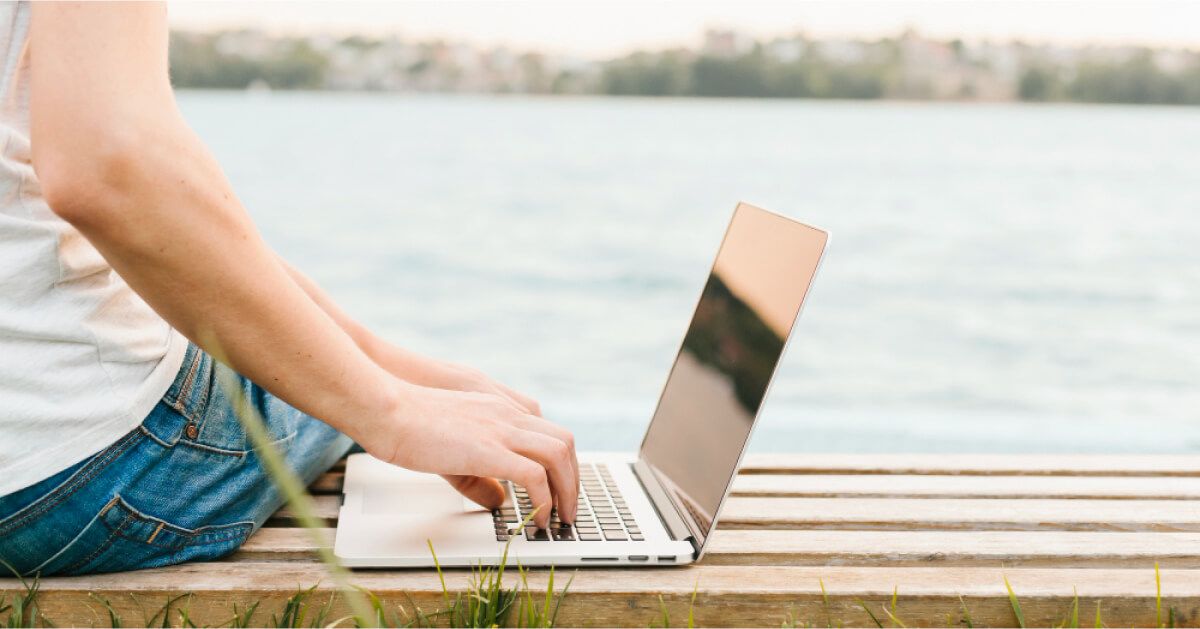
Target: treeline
column 198, row 61
column 1137, row 79
column 904, row 67
column 752, row 74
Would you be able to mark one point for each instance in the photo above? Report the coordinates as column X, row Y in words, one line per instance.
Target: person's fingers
column 552, row 429
column 483, row 491
column 501, row 461
column 531, row 405
column 555, row 457
column 532, row 476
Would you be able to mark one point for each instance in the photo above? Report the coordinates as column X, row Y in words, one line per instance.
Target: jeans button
column 190, row 430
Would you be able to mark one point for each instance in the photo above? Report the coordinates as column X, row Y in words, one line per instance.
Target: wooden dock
column 809, row 539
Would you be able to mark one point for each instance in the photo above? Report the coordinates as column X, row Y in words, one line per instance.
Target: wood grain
column 976, row 464
column 726, row 595
column 925, row 514
column 1050, row 549
column 935, row 526
column 932, row 486
column 950, row 486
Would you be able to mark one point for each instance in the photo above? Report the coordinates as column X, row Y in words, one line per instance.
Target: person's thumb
column 485, row 492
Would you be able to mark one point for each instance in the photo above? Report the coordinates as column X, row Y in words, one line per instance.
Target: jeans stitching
column 202, row 405
column 213, row 449
column 112, row 537
column 185, row 389
column 201, row 536
column 59, row 494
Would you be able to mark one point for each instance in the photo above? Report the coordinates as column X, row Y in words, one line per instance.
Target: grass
column 487, row 601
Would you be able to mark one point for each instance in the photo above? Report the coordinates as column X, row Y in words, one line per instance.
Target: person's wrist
column 385, row 433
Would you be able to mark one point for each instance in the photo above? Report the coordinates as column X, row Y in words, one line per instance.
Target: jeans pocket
column 206, row 397
column 45, row 515
column 121, row 537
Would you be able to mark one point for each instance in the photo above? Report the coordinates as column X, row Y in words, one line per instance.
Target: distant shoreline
column 906, row 66
column 672, row 99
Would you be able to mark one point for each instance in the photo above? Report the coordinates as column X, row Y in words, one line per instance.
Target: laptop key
column 615, row 536
column 637, row 537
column 537, row 535
column 589, row 537
column 501, row 537
column 564, row 535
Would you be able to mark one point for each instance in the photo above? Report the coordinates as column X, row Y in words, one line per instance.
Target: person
column 126, row 264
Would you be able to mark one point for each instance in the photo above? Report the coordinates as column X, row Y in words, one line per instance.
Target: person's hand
column 439, row 374
column 472, row 438
column 463, row 378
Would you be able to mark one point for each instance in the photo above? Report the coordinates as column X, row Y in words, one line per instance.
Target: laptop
column 658, row 506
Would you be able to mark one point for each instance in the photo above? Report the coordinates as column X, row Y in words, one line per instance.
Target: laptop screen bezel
column 698, row 533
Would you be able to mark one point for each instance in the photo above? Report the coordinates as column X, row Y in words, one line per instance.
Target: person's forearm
column 145, row 192
column 400, row 362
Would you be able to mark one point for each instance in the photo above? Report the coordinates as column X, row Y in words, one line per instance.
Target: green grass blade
column 892, row 616
column 561, row 596
column 114, row 619
column 1016, row 604
column 1157, row 597
column 437, row 565
column 870, row 613
column 825, row 604
column 966, row 613
column 289, row 484
column 692, row 605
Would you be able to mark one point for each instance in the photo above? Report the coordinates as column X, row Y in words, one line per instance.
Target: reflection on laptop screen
column 729, row 355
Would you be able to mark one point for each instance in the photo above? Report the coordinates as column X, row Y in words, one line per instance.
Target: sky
column 598, row 28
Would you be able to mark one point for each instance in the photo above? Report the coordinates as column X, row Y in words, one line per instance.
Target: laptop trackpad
column 414, row 496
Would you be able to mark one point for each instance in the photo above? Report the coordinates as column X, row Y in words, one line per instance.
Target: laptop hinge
column 667, row 511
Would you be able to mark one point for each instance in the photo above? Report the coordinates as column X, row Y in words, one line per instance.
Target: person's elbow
column 90, row 182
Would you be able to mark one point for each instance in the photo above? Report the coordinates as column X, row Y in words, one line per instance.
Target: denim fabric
column 185, row 485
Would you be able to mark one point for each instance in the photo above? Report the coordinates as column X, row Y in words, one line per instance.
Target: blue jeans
column 185, row 485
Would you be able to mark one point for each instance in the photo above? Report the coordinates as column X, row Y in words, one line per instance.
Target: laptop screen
column 728, row 357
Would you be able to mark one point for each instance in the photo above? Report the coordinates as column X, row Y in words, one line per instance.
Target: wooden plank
column 726, row 595
column 977, row 464
column 1045, row 549
column 948, row 486
column 1049, row 549
column 283, row 543
column 926, row 513
column 963, row 514
column 328, row 483
column 931, row 486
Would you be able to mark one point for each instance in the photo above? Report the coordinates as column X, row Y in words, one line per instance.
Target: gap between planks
column 922, row 514
column 930, row 486
column 976, row 464
column 1051, row 549
column 968, row 464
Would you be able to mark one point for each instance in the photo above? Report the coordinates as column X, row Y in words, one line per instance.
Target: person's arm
column 422, row 370
column 115, row 159
column 406, row 364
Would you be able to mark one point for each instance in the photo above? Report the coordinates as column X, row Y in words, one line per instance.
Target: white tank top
column 83, row 359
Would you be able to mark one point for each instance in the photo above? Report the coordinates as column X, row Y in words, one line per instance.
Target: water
column 1001, row 278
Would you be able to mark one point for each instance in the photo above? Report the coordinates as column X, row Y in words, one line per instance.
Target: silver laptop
column 658, row 506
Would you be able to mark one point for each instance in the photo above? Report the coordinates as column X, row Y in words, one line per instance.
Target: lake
column 1007, row 278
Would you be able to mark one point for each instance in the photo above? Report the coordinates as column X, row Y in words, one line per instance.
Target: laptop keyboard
column 602, row 514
